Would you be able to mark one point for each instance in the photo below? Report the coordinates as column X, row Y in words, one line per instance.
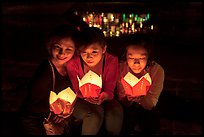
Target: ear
column 104, row 49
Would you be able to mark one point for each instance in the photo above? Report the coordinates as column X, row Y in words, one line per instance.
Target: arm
column 37, row 103
column 110, row 76
column 73, row 72
column 120, row 92
column 150, row 100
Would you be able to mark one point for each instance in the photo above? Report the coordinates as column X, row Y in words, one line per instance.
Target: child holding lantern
column 139, row 86
column 93, row 74
column 49, row 104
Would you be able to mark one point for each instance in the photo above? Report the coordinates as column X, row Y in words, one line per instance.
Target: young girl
column 51, row 75
column 92, row 110
column 139, row 107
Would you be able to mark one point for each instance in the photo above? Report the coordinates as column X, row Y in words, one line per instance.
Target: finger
column 55, row 117
column 58, row 120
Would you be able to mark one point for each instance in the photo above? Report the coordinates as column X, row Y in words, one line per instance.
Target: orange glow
column 134, row 86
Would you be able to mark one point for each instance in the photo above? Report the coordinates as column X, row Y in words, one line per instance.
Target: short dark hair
column 141, row 40
column 61, row 32
column 91, row 35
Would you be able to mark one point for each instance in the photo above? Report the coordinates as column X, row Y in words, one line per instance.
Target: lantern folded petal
column 60, row 102
column 134, row 86
column 90, row 84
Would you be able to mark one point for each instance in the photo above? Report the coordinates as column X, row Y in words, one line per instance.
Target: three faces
column 63, row 51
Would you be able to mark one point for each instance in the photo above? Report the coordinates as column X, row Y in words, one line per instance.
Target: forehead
column 94, row 46
column 136, row 50
column 66, row 42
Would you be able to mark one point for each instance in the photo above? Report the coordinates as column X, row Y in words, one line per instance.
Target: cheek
column 53, row 53
column 130, row 63
column 143, row 64
column 69, row 56
column 83, row 57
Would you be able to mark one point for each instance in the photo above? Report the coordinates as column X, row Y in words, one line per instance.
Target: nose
column 89, row 55
column 61, row 51
column 136, row 61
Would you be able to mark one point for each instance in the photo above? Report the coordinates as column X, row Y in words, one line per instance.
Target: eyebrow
column 144, row 54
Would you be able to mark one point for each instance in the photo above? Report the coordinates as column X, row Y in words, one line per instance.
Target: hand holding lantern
column 98, row 100
column 53, row 124
column 61, row 107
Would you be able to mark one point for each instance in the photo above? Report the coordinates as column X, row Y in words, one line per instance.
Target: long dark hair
column 60, row 32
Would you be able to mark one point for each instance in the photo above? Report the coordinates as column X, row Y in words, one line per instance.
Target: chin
column 90, row 64
column 137, row 71
column 61, row 62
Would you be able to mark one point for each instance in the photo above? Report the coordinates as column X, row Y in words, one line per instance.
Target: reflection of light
column 112, row 18
column 115, row 24
column 102, row 14
column 104, row 32
column 111, row 33
column 76, row 13
column 104, row 19
column 152, row 27
column 148, row 16
column 130, row 21
column 141, row 24
column 126, row 25
column 117, row 33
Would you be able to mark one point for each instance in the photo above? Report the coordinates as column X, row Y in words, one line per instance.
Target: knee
column 116, row 109
column 97, row 113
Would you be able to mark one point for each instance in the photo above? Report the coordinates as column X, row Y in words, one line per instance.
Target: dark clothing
column 37, row 105
column 141, row 114
column 140, row 121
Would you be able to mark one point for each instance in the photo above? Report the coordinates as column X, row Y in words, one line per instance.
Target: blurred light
column 152, row 27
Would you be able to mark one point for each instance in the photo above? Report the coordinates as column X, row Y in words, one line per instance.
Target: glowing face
column 63, row 51
column 92, row 54
column 136, row 58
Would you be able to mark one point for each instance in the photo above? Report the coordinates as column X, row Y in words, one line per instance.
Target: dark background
column 178, row 50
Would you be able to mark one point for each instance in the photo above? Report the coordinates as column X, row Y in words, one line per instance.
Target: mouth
column 90, row 62
column 136, row 69
column 61, row 58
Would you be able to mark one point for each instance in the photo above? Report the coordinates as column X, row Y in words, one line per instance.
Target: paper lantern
column 62, row 102
column 136, row 87
column 90, row 85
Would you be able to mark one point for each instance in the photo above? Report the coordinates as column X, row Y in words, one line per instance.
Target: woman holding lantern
column 139, row 86
column 93, row 74
column 49, row 103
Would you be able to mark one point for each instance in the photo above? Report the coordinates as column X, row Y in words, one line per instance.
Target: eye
column 94, row 52
column 130, row 58
column 56, row 47
column 83, row 53
column 143, row 58
column 69, row 49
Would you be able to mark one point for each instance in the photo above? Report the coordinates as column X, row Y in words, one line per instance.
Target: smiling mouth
column 60, row 58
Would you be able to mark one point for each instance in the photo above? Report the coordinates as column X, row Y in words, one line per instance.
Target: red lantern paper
column 62, row 102
column 90, row 85
column 136, row 87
